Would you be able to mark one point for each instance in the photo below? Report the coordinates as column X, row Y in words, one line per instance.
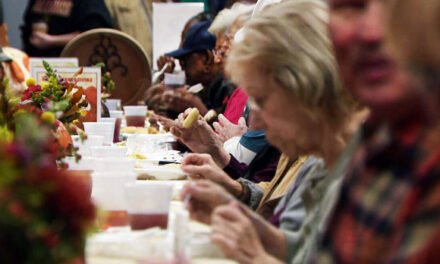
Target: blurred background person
column 50, row 24
column 196, row 58
column 158, row 98
column 163, row 60
column 414, row 48
column 395, row 172
column 224, row 27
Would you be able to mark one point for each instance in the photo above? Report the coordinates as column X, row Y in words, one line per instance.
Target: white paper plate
column 155, row 158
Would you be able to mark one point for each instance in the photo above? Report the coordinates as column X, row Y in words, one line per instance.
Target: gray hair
column 289, row 43
column 227, row 16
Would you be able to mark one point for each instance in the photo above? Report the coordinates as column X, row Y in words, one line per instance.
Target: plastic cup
column 148, row 204
column 113, row 104
column 118, row 115
column 135, row 115
column 89, row 142
column 174, row 81
column 85, row 177
column 82, row 170
column 108, row 152
column 100, row 129
column 115, row 164
column 108, row 194
column 117, row 124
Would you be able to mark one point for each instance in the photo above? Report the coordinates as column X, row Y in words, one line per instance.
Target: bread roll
column 191, row 118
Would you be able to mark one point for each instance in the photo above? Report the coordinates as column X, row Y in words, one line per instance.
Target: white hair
column 289, row 43
column 227, row 16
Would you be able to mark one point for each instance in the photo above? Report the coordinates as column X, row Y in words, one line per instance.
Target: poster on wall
column 36, row 64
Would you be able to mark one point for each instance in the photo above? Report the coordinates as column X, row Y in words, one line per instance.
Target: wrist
column 274, row 242
column 235, row 188
column 222, row 157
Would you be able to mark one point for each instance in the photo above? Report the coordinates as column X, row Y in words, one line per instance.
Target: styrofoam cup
column 108, row 152
column 104, row 129
column 135, row 110
column 113, row 104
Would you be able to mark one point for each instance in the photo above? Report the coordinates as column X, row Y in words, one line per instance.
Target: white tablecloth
column 121, row 245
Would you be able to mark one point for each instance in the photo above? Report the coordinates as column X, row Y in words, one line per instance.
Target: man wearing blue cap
column 196, row 58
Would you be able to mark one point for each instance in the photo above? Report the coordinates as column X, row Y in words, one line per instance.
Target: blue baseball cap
column 198, row 38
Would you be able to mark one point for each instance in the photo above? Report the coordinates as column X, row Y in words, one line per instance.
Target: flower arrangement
column 60, row 103
column 45, row 213
column 108, row 85
column 65, row 99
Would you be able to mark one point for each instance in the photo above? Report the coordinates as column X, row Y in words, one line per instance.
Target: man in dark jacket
column 196, row 58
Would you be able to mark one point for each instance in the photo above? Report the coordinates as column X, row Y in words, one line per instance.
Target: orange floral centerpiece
column 45, row 213
column 61, row 102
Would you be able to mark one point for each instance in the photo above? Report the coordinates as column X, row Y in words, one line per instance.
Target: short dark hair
column 200, row 17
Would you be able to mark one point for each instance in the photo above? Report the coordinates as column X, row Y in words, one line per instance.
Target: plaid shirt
column 389, row 206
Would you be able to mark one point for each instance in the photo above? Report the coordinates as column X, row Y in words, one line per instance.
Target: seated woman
column 286, row 65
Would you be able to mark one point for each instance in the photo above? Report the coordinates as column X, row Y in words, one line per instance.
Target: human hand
column 155, row 90
column 201, row 138
column 235, row 234
column 162, row 60
column 226, row 129
column 42, row 40
column 205, row 196
column 179, row 100
column 164, row 121
column 202, row 166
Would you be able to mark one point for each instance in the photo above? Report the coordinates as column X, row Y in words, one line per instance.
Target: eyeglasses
column 253, row 105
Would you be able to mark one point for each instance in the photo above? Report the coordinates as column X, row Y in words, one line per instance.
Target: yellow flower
column 48, row 117
column 44, row 85
column 30, row 82
column 83, row 112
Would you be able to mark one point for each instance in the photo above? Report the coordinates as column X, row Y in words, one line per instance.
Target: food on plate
column 128, row 130
column 121, row 144
column 191, row 118
column 139, row 156
column 152, row 130
column 144, row 176
column 139, row 130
